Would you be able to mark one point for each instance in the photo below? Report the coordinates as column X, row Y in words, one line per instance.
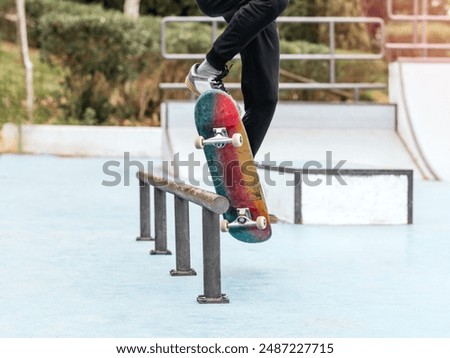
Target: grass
column 12, row 90
column 47, row 87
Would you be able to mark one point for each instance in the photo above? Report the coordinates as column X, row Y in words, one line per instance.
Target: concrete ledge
column 83, row 140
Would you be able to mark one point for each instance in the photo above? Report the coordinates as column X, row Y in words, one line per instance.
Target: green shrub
column 319, row 70
column 7, row 27
column 7, row 5
column 35, row 9
column 188, row 38
column 153, row 7
column 295, row 32
column 102, row 51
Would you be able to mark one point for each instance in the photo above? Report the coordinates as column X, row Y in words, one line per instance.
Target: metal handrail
column 415, row 18
column 332, row 21
column 355, row 87
column 332, row 56
column 212, row 206
column 206, row 199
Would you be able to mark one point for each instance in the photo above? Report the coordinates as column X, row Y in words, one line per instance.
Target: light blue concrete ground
column 70, row 267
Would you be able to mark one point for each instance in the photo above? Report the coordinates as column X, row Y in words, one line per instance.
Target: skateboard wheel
column 199, row 142
column 261, row 222
column 237, row 140
column 224, row 226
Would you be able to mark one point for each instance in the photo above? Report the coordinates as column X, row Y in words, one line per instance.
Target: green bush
column 35, row 9
column 6, row 5
column 316, row 70
column 188, row 38
column 169, row 7
column 153, row 7
column 113, row 64
column 7, row 27
column 295, row 32
column 319, row 70
column 102, row 51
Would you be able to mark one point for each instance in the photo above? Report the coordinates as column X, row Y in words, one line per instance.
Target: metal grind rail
column 212, row 205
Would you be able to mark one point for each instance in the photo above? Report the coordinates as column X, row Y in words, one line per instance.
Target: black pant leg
column 245, row 24
column 260, row 78
column 251, row 31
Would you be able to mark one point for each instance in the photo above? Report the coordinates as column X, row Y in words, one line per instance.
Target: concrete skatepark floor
column 70, row 267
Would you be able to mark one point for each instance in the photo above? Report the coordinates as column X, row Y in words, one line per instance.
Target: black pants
column 252, row 32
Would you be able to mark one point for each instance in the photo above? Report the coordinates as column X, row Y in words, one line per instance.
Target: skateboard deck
column 231, row 166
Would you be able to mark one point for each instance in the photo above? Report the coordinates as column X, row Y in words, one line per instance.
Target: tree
column 23, row 39
column 131, row 8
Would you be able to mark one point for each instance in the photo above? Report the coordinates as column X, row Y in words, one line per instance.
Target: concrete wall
column 83, row 140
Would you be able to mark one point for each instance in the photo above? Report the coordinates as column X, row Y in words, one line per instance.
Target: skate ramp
column 421, row 90
column 364, row 135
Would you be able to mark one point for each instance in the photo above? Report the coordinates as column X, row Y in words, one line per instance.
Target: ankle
column 207, row 70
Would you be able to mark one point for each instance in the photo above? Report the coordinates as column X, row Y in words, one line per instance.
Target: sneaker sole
column 194, row 90
column 191, row 86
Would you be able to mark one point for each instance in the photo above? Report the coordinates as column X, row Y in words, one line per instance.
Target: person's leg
column 204, row 76
column 246, row 19
column 245, row 24
column 260, row 78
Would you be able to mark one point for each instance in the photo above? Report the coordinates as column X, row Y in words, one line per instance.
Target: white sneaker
column 199, row 84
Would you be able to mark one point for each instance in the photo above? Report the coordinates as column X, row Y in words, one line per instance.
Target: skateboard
column 223, row 138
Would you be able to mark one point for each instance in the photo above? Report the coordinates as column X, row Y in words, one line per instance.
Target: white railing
column 418, row 18
column 332, row 56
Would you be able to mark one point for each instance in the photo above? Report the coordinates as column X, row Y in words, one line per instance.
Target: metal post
column 332, row 53
column 182, row 239
column 160, row 224
column 298, row 216
column 214, row 31
column 415, row 29
column 356, row 94
column 424, row 27
column 211, row 260
column 144, row 211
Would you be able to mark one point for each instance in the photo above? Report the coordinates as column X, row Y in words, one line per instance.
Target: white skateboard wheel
column 261, row 222
column 237, row 140
column 199, row 142
column 224, row 226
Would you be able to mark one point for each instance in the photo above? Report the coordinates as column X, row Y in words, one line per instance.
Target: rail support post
column 160, row 224
column 182, row 239
column 212, row 285
column 144, row 211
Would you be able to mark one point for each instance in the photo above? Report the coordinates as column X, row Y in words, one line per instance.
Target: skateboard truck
column 220, row 139
column 244, row 219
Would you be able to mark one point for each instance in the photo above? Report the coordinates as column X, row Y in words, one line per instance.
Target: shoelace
column 217, row 81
